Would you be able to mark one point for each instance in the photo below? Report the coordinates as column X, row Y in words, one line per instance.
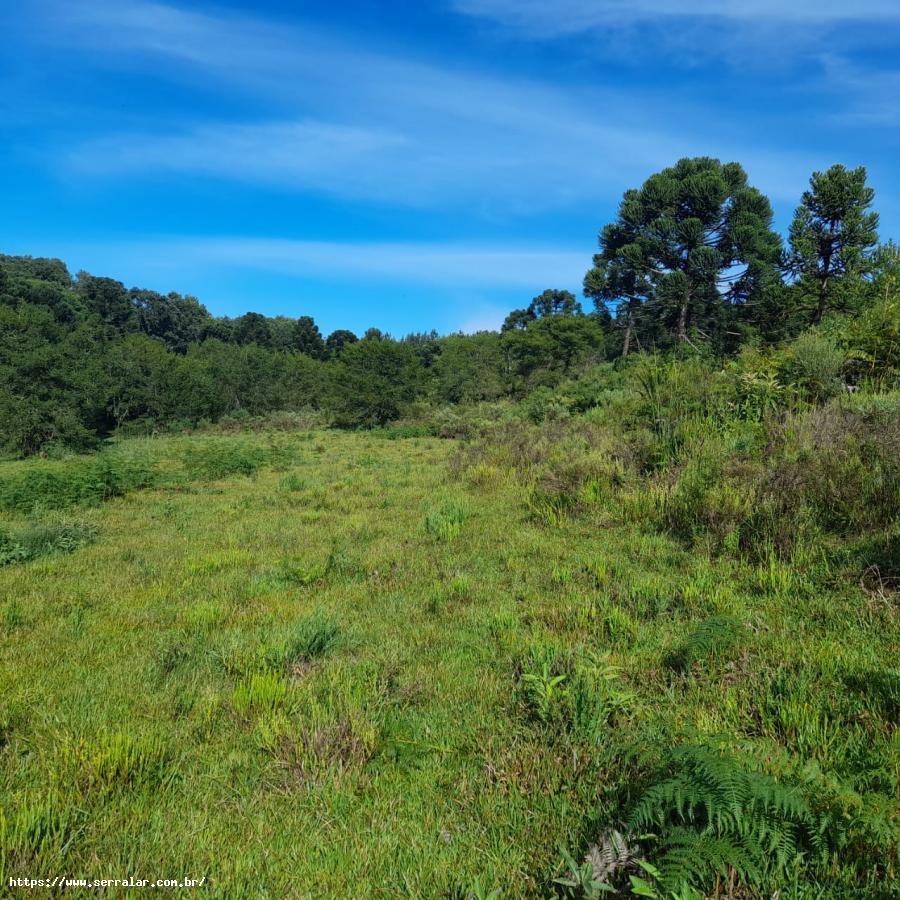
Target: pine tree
column 833, row 234
column 307, row 338
column 691, row 242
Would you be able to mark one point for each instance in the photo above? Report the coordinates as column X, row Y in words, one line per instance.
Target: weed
column 715, row 637
column 216, row 459
column 446, row 520
column 543, row 691
column 293, row 483
column 117, row 761
column 712, row 817
column 259, row 692
column 43, row 539
column 619, row 627
column 311, row 637
column 36, row 831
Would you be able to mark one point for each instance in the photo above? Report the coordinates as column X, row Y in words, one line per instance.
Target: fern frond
column 710, row 637
column 610, row 855
column 712, row 815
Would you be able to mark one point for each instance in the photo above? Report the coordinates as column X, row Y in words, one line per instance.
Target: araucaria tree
column 690, row 244
column 833, row 234
column 307, row 338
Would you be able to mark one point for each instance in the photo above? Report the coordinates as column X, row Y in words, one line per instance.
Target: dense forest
column 691, row 265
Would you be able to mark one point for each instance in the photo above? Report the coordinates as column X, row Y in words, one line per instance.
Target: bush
column 212, row 460
column 58, row 484
column 42, row 539
column 813, row 364
column 872, row 343
column 838, row 467
column 374, row 380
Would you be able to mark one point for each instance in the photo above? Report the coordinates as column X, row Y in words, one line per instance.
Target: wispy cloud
column 523, row 266
column 336, row 118
column 872, row 93
column 332, row 158
column 762, row 36
column 556, row 17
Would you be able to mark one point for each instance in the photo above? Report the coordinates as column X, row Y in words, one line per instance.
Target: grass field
column 348, row 668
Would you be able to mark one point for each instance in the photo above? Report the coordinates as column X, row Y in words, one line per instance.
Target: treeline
column 691, row 262
column 81, row 357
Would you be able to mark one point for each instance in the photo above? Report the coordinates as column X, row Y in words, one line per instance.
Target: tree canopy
column 833, row 234
column 691, row 261
column 688, row 246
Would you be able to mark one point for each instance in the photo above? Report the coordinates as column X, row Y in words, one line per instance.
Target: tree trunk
column 626, row 346
column 820, row 308
column 682, row 322
column 823, row 284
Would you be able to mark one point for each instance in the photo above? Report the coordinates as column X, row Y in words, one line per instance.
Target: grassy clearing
column 364, row 672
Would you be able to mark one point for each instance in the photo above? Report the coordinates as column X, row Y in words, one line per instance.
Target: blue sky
column 411, row 165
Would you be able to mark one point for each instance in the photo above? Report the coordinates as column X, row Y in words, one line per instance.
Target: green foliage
column 293, row 483
column 690, row 493
column 542, row 688
column 872, row 342
column 41, row 539
column 716, row 637
column 813, row 365
column 373, row 381
column 577, row 695
column 117, row 761
column 40, row 829
column 687, row 232
column 259, row 692
column 832, row 235
column 307, row 339
column 339, row 339
column 212, row 460
column 311, row 637
column 56, row 485
column 213, row 609
column 445, row 521
column 710, row 816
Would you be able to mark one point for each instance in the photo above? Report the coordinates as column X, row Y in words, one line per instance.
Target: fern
column 611, row 855
column 712, row 816
column 712, row 637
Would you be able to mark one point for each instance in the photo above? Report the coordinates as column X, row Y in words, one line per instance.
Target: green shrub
column 38, row 540
column 872, row 343
column 837, row 467
column 80, row 480
column 813, row 364
column 709, row 816
column 212, row 460
column 572, row 694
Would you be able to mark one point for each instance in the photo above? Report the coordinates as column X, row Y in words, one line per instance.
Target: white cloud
column 550, row 18
column 337, row 119
column 331, row 158
column 872, row 93
column 310, row 112
column 519, row 266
